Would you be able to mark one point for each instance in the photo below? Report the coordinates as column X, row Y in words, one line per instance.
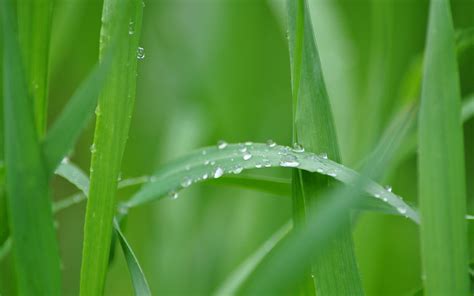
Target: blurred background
column 219, row 69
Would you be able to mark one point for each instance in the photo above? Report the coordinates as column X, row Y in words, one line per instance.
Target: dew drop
column 376, row 195
column 258, row 165
column 65, row 160
column 221, row 144
column 140, row 53
column 93, row 148
column 243, row 149
column 289, row 161
column 271, row 144
column 297, row 148
column 388, row 188
column 238, row 169
column 186, row 182
column 332, row 174
column 206, row 162
column 324, row 155
column 213, row 163
column 205, row 176
column 402, row 210
column 248, row 143
column 218, row 172
column 385, row 199
column 319, row 170
column 247, row 156
column 173, row 195
column 131, row 28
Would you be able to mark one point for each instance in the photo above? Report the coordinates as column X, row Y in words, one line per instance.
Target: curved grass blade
column 38, row 268
column 62, row 136
column 113, row 121
column 140, row 284
column 467, row 110
column 212, row 163
column 236, row 279
column 442, row 190
column 271, row 185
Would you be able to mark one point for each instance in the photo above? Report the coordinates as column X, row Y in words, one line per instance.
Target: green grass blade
column 37, row 267
column 212, row 162
column 266, row 184
column 61, row 137
column 140, row 284
column 79, row 179
column 442, row 189
column 34, row 28
column 467, row 110
column 238, row 277
column 112, row 125
column 336, row 272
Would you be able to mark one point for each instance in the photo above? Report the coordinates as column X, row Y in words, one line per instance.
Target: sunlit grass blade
column 238, row 277
column 197, row 167
column 61, row 137
column 313, row 127
column 442, row 191
column 34, row 30
column 113, row 117
column 29, row 205
column 140, row 284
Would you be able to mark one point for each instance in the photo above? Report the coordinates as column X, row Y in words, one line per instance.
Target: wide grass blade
column 442, row 191
column 313, row 127
column 113, row 115
column 62, row 136
column 31, row 222
column 212, row 162
column 34, row 31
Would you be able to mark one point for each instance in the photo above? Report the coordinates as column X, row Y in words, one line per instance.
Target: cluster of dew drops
column 287, row 160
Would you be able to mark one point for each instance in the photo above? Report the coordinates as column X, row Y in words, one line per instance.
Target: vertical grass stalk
column 336, row 272
column 30, row 213
column 441, row 162
column 121, row 24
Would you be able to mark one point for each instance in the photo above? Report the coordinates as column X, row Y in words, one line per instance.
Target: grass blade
column 79, row 179
column 442, row 189
column 271, row 185
column 235, row 280
column 29, row 205
column 112, row 125
column 34, row 28
column 212, row 163
column 140, row 284
column 336, row 272
column 61, row 137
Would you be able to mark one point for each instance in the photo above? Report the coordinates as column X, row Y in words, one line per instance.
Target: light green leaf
column 442, row 191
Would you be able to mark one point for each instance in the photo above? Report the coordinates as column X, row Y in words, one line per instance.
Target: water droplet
column 248, row 143
column 271, row 144
column 65, row 160
column 376, row 195
column 319, row 170
column 324, row 155
column 289, row 161
column 388, row 188
column 297, row 148
column 206, row 162
column 238, row 169
column 332, row 174
column 131, row 28
column 97, row 110
column 213, row 162
column 402, row 210
column 385, row 199
column 218, row 172
column 93, row 148
column 186, row 182
column 258, row 165
column 243, row 149
column 247, row 156
column 221, row 144
column 173, row 195
column 205, row 176
column 140, row 53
